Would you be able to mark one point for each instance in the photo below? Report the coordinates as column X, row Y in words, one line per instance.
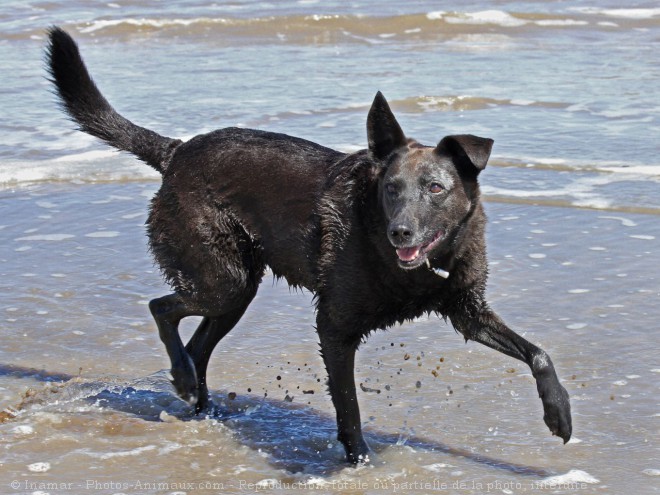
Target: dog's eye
column 391, row 189
column 436, row 188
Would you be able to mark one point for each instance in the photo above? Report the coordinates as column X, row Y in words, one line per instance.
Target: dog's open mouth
column 414, row 256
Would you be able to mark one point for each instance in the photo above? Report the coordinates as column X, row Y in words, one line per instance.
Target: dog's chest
column 390, row 302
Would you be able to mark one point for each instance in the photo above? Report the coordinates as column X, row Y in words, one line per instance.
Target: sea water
column 567, row 89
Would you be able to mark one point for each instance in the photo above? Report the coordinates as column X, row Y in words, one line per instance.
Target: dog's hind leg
column 199, row 348
column 214, row 267
column 168, row 311
column 201, row 345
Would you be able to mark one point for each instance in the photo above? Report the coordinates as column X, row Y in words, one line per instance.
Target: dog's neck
column 453, row 247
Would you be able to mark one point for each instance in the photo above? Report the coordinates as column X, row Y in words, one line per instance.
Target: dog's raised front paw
column 556, row 407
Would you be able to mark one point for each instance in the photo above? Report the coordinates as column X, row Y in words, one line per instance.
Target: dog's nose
column 400, row 233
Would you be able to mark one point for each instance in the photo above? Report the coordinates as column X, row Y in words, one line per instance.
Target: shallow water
column 569, row 92
column 81, row 359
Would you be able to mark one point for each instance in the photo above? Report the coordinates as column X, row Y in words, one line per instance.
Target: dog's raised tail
column 85, row 104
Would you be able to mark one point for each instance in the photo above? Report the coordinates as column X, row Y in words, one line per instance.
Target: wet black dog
column 379, row 236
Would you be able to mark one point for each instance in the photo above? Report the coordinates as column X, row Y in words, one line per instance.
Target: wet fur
column 234, row 201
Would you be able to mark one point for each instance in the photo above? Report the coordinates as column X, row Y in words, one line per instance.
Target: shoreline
column 589, row 189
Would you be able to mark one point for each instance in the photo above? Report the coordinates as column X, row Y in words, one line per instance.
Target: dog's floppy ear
column 383, row 131
column 470, row 153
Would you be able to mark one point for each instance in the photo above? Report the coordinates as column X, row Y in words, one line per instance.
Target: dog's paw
column 556, row 407
column 185, row 384
column 359, row 459
column 205, row 406
column 357, row 451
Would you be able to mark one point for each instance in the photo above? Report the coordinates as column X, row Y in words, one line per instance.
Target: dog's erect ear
column 470, row 153
column 383, row 131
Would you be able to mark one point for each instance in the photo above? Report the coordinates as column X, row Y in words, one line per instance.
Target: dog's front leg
column 487, row 328
column 339, row 357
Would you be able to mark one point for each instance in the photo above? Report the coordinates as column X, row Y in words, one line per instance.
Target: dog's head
column 426, row 192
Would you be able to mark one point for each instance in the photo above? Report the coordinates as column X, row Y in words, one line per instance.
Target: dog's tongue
column 408, row 254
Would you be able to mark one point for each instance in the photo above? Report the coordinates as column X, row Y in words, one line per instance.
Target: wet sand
column 87, row 410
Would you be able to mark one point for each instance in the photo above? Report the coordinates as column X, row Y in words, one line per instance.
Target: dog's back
column 268, row 185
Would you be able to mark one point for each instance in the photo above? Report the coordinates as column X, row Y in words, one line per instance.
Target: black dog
column 379, row 236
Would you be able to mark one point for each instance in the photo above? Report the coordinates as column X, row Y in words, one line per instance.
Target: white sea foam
column 570, row 478
column 23, row 430
column 520, row 193
column 626, row 222
column 39, row 467
column 560, row 22
column 156, row 23
column 130, row 216
column 124, row 453
column 642, row 237
column 522, row 103
column 46, row 237
column 89, row 166
column 437, row 467
column 110, row 199
column 497, row 17
column 103, row 233
column 317, row 482
column 610, row 166
column 322, row 17
column 640, row 13
column 634, row 170
column 86, row 156
column 436, row 15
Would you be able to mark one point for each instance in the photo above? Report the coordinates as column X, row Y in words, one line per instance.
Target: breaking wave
column 331, row 28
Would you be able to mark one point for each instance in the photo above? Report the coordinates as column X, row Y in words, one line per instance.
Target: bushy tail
column 85, row 104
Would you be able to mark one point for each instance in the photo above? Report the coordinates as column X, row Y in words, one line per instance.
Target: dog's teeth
column 428, row 263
